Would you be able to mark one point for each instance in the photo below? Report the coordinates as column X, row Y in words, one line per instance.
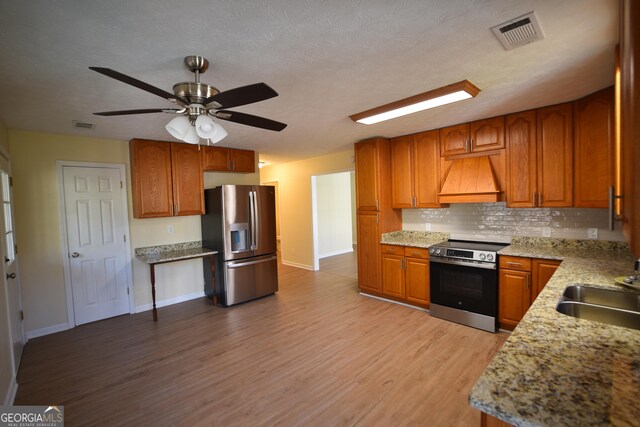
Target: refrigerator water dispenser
column 239, row 237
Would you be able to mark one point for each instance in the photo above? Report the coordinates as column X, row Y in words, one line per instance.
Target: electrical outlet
column 170, row 229
column 546, row 231
column 592, row 233
column 427, row 226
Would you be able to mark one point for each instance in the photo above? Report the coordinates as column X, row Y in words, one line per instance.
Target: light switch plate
column 546, row 231
column 592, row 233
column 170, row 229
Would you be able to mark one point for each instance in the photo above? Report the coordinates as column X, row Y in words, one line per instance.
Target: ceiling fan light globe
column 205, row 126
column 178, row 127
column 192, row 136
column 219, row 134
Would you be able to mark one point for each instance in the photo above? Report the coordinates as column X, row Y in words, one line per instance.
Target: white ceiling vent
column 518, row 31
column 82, row 125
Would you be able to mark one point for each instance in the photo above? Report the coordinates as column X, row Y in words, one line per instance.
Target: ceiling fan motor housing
column 193, row 92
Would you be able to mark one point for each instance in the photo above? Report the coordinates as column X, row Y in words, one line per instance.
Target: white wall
column 333, row 204
column 496, row 221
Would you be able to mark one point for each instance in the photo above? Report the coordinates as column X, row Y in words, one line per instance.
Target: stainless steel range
column 464, row 283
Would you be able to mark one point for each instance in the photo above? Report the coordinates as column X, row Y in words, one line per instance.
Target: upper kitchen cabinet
column 630, row 121
column 222, row 159
column 594, row 137
column 540, row 157
column 475, row 137
column 372, row 159
column 167, row 179
column 415, row 174
column 520, row 132
column 554, row 134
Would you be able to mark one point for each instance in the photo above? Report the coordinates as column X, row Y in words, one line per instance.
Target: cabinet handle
column 540, row 199
column 517, row 264
column 402, row 264
column 414, row 201
column 171, row 209
column 612, row 210
column 533, row 197
column 528, row 284
column 376, row 217
column 466, row 145
column 377, row 205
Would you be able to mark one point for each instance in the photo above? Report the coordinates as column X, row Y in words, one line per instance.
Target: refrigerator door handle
column 242, row 264
column 256, row 224
column 252, row 214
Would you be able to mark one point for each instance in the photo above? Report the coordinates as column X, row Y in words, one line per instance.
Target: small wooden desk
column 170, row 253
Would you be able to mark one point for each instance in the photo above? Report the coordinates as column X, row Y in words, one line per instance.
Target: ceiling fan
column 197, row 101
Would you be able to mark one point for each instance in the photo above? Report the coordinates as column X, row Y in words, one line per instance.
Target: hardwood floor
column 316, row 353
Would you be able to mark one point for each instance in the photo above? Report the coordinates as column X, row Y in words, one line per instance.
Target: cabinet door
column 393, row 275
column 188, row 179
column 515, row 297
column 487, row 134
column 151, row 178
column 366, row 156
column 417, row 280
column 542, row 270
column 215, row 159
column 402, row 191
column 426, row 169
column 555, row 155
column 368, row 252
column 593, row 132
column 243, row 161
column 521, row 159
column 454, row 140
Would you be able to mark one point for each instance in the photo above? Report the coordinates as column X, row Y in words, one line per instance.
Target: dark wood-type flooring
column 316, row 353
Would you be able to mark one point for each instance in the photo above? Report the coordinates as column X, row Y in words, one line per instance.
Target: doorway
column 332, row 215
column 96, row 255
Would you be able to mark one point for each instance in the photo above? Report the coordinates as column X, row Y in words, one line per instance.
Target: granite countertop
column 556, row 370
column 173, row 252
column 418, row 239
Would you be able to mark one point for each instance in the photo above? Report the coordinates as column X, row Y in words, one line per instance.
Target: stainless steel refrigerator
column 240, row 223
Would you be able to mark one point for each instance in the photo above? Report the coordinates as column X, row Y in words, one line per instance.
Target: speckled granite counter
column 153, row 255
column 418, row 239
column 556, row 370
column 174, row 252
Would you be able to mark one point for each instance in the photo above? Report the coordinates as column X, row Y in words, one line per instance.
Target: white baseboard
column 298, row 265
column 170, row 301
column 334, row 253
column 47, row 331
column 11, row 392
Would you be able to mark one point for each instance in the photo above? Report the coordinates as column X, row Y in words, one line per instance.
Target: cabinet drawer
column 392, row 249
column 413, row 252
column 515, row 263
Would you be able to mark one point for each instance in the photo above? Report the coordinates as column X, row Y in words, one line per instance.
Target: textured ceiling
column 327, row 59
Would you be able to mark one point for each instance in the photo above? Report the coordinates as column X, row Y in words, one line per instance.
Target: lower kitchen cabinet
column 487, row 420
column 520, row 280
column 369, row 251
column 405, row 274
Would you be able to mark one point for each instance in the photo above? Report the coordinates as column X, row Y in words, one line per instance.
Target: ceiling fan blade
column 145, row 111
column 249, row 120
column 241, row 96
column 137, row 83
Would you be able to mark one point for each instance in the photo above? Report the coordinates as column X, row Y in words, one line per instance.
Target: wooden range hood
column 470, row 180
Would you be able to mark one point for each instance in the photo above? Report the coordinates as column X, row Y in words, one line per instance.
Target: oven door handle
column 488, row 266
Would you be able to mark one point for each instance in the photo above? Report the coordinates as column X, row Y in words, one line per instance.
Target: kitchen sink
column 608, row 306
column 607, row 297
column 600, row 313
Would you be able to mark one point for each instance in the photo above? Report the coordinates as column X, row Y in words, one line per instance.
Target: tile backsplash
column 497, row 222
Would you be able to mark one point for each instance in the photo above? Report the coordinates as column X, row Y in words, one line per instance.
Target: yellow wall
column 6, row 369
column 294, row 185
column 39, row 239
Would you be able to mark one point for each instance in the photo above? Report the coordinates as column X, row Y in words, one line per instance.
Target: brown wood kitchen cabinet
column 540, row 157
column 405, row 274
column 520, row 280
column 222, row 159
column 374, row 214
column 479, row 136
column 594, row 138
column 415, row 170
column 167, row 179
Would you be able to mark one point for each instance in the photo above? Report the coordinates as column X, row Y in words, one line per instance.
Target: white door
column 95, row 220
column 11, row 282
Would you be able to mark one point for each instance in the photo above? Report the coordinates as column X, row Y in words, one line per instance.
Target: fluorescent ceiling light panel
column 434, row 98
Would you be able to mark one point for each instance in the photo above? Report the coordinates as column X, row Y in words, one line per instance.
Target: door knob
column 11, row 276
column 75, row 255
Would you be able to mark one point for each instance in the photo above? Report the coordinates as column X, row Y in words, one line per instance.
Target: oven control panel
column 463, row 254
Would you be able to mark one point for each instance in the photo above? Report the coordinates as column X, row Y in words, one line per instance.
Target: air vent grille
column 82, row 125
column 518, row 31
